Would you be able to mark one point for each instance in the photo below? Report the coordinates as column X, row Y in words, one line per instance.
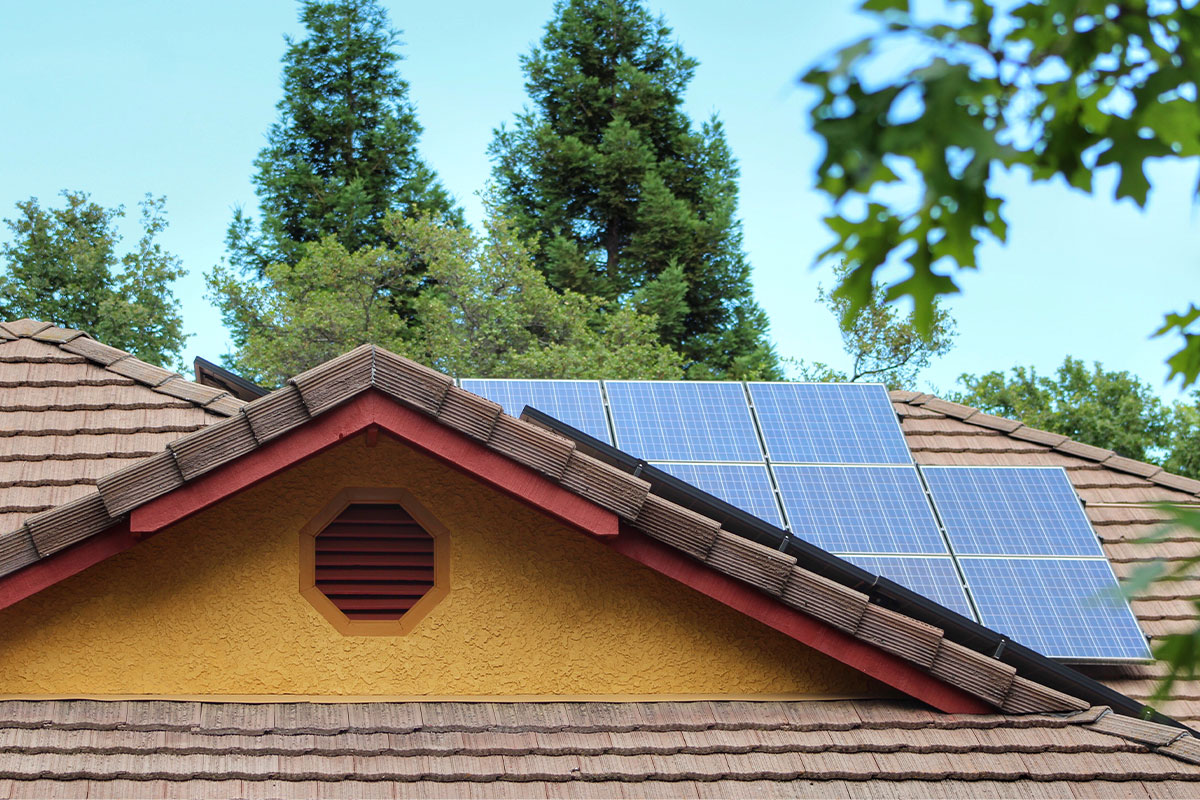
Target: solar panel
column 829, row 423
column 1061, row 607
column 1011, row 511
column 848, row 509
column 746, row 486
column 683, row 421
column 577, row 403
column 935, row 578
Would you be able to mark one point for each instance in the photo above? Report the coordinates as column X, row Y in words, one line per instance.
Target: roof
column 73, row 409
column 642, row 749
column 1117, row 490
column 1120, row 497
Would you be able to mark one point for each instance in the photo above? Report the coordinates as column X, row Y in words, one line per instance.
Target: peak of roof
column 1054, row 441
column 119, row 362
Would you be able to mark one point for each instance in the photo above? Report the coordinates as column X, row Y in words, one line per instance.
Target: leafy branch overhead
column 1059, row 88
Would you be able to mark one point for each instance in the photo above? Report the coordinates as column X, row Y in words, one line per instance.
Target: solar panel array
column 1007, row 546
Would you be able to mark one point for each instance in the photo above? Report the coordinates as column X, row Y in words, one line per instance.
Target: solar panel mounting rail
column 1029, row 663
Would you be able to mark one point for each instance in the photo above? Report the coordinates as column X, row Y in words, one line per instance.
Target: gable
column 212, row 606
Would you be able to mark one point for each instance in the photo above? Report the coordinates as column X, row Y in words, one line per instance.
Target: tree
column 883, row 346
column 62, row 266
column 343, row 154
column 1059, row 87
column 484, row 310
column 1109, row 409
column 632, row 200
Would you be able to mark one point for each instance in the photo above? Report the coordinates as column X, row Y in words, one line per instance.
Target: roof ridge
column 1054, row 441
column 434, row 394
column 119, row 362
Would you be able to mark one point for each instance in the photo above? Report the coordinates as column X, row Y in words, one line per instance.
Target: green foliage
column 343, row 154
column 631, row 199
column 300, row 315
column 62, row 266
column 1059, row 87
column 1109, row 409
column 883, row 345
column 484, row 310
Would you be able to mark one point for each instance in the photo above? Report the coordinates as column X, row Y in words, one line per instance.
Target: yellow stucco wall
column 212, row 606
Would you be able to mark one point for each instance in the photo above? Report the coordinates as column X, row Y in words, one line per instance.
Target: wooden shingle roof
column 73, row 409
column 843, row 749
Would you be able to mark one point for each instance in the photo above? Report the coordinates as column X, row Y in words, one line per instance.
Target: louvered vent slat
column 374, row 561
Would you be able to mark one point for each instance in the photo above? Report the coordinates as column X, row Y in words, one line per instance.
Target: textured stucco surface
column 212, row 606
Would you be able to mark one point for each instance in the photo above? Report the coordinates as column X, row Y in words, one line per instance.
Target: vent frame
column 409, row 619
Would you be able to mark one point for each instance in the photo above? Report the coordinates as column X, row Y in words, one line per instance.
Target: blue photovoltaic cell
column 829, row 423
column 683, row 420
column 1012, row 511
column 934, row 578
column 1063, row 608
column 746, row 486
column 577, row 403
column 860, row 509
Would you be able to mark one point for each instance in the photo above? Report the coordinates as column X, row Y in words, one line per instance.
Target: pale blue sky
column 123, row 98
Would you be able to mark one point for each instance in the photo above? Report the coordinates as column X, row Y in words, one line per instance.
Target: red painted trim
column 372, row 408
column 75, row 559
column 866, row 658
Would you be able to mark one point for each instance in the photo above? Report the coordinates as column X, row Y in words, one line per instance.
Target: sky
column 130, row 97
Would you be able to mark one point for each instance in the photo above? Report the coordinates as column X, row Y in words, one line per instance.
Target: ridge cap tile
column 950, row 409
column 1131, row 466
column 1082, row 450
column 1038, row 436
column 1173, row 481
column 26, row 327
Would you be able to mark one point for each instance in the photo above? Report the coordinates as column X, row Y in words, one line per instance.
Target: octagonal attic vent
column 373, row 562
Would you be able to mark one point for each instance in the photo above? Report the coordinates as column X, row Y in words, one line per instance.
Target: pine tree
column 343, row 153
column 629, row 197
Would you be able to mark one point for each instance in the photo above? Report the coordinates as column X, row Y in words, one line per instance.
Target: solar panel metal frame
column 766, row 442
column 951, row 535
column 754, row 431
column 516, row 412
column 932, row 533
column 981, row 603
column 777, row 519
column 870, row 561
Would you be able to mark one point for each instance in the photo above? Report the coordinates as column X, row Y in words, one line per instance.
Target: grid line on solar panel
column 932, row 577
column 857, row 509
column 829, row 423
column 1011, row 511
column 683, row 421
column 577, row 403
column 746, row 486
column 1062, row 607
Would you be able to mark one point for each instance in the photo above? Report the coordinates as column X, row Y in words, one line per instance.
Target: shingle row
column 1054, row 441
